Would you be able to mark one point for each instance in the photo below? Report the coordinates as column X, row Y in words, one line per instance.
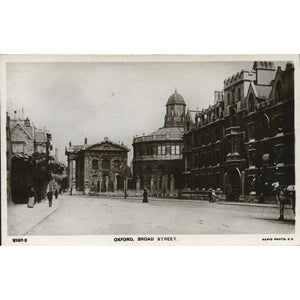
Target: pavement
column 84, row 215
column 21, row 219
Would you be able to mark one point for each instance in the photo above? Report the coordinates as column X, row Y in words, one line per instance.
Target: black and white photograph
column 141, row 149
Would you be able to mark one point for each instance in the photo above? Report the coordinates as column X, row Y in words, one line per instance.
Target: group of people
column 212, row 195
column 51, row 192
column 285, row 195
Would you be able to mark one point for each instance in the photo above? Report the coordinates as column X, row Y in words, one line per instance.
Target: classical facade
column 26, row 138
column 157, row 157
column 97, row 168
column 245, row 141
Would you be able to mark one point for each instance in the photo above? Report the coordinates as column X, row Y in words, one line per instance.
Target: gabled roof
column 19, row 125
column 278, row 77
column 260, row 91
column 263, row 92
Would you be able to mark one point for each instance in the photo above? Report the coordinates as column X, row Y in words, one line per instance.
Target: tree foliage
column 33, row 171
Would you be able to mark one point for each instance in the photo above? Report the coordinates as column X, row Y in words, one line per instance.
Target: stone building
column 101, row 167
column 157, row 157
column 245, row 141
column 26, row 138
column 204, row 146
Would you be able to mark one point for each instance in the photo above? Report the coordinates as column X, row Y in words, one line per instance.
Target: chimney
column 85, row 140
column 15, row 115
column 27, row 122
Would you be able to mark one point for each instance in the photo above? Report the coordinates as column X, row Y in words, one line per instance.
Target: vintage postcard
column 149, row 150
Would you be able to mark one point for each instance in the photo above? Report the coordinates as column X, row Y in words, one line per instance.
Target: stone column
column 172, row 186
column 152, row 185
column 74, row 188
column 74, row 169
column 137, row 185
column 115, row 182
column 166, row 185
column 70, row 175
column 100, row 182
column 106, row 184
column 243, row 184
column 157, row 187
column 86, row 169
column 125, row 187
column 86, row 187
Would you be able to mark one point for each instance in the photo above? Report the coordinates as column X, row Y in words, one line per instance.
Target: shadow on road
column 286, row 221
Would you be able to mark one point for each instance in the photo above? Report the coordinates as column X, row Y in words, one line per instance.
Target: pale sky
column 117, row 100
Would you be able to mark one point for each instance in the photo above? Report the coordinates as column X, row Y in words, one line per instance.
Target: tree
column 32, row 171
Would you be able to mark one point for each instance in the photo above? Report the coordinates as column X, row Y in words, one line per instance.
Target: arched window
column 251, row 103
column 233, row 97
column 233, row 120
column 278, row 92
column 95, row 164
column 239, row 94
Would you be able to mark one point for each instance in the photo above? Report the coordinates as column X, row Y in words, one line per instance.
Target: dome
column 176, row 98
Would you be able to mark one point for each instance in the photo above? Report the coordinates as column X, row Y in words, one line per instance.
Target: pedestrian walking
column 145, row 196
column 213, row 196
column 56, row 194
column 31, row 196
column 210, row 195
column 50, row 196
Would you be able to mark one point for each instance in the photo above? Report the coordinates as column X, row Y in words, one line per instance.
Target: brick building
column 245, row 141
column 157, row 157
column 97, row 168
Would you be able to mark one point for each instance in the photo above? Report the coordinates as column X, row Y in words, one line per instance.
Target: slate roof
column 29, row 129
column 168, row 130
column 261, row 91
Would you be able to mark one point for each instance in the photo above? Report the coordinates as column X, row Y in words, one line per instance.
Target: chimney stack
column 15, row 115
column 85, row 140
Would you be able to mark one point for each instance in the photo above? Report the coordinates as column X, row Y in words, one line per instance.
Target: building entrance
column 233, row 184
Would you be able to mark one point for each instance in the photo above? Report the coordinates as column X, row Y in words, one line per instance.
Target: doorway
column 233, row 185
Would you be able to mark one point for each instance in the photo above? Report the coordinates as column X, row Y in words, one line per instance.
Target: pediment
column 107, row 146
